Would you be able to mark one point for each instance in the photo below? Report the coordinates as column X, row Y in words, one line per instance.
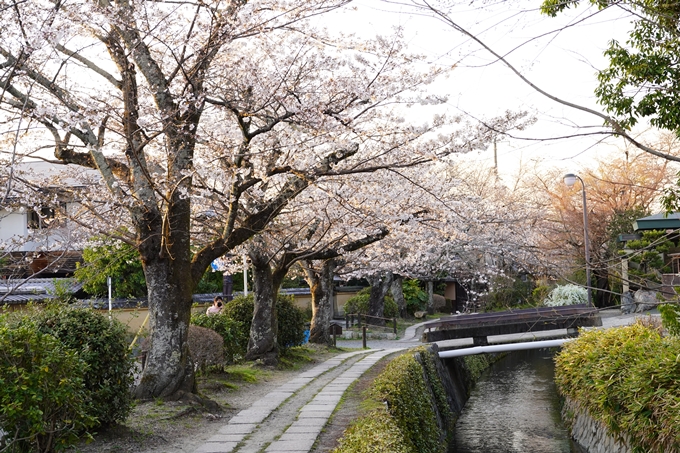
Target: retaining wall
column 591, row 435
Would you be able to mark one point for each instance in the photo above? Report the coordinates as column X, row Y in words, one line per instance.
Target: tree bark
column 380, row 284
column 168, row 367
column 263, row 330
column 321, row 286
column 398, row 295
column 430, row 297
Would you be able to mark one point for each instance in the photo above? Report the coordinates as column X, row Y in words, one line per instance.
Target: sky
column 563, row 63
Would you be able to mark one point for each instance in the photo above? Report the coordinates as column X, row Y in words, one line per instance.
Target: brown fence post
column 363, row 336
column 347, row 321
column 394, row 322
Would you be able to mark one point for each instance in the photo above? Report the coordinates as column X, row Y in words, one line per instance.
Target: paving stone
column 290, row 436
column 325, row 415
column 301, row 429
column 237, row 428
column 225, row 447
column 227, row 437
column 311, row 421
column 249, row 419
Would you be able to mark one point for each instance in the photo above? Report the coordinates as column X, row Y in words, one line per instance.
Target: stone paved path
column 290, row 418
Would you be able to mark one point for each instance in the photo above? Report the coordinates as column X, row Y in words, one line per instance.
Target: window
column 39, row 220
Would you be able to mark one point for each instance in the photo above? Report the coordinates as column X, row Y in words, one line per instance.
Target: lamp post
column 570, row 180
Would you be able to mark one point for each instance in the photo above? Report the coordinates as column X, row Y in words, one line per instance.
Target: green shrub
column 106, row 257
column 359, row 304
column 670, row 317
column 402, row 388
column 377, row 431
column 44, row 405
column 415, row 297
column 628, row 378
column 234, row 336
column 290, row 319
column 102, row 343
column 291, row 322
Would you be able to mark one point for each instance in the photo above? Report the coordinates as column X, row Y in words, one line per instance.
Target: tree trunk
column 168, row 367
column 430, row 297
column 398, row 295
column 376, row 303
column 321, row 286
column 262, row 343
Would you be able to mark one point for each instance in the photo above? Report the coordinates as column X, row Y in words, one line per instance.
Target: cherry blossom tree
column 203, row 121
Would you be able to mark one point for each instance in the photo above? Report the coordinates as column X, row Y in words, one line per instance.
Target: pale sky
column 564, row 64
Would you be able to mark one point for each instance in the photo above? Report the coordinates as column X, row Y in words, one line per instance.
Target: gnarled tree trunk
column 380, row 284
column 321, row 286
column 167, row 371
column 398, row 295
column 263, row 342
column 430, row 297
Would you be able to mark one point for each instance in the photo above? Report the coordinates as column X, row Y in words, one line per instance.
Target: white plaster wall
column 13, row 226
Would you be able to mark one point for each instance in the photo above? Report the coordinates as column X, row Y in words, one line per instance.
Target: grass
column 244, row 373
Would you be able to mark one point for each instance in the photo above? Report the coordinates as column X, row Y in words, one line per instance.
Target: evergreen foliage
column 405, row 410
column 44, row 405
column 646, row 264
column 106, row 257
column 359, row 304
column 627, row 378
column 290, row 319
column 102, row 343
column 234, row 336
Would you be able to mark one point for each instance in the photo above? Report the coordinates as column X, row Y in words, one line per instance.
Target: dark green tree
column 647, row 261
column 643, row 77
column 110, row 257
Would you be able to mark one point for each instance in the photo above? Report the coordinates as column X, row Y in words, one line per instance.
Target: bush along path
column 290, row 418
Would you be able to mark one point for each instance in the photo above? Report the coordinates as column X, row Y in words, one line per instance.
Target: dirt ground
column 177, row 427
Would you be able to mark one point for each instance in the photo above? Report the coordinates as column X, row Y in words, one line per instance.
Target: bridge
column 479, row 326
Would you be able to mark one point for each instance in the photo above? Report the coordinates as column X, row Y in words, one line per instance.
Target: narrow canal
column 514, row 408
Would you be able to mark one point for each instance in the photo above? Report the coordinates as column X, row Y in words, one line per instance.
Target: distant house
column 670, row 223
column 35, row 238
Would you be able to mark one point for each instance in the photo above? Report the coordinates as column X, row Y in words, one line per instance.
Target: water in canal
column 514, row 408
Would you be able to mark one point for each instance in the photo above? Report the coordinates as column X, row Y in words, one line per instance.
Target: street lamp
column 570, row 180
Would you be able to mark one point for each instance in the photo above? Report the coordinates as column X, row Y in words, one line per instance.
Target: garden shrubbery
column 290, row 319
column 406, row 411
column 566, row 295
column 62, row 370
column 628, row 378
column 359, row 304
column 234, row 336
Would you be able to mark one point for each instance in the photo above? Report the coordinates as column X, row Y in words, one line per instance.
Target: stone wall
column 591, row 435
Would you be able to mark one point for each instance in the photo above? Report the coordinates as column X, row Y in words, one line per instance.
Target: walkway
column 290, row 418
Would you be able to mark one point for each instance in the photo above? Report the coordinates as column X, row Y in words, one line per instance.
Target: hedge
column 44, row 403
column 405, row 417
column 102, row 343
column 359, row 304
column 629, row 379
column 290, row 319
column 234, row 336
